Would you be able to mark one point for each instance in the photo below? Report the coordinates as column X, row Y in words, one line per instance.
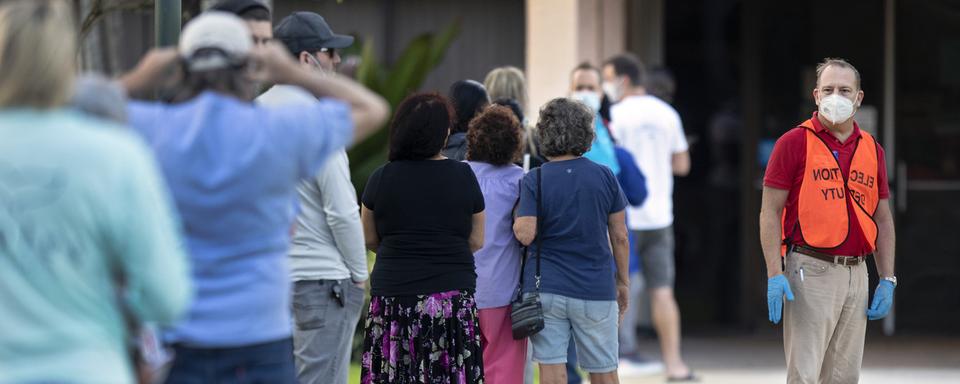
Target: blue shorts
column 594, row 327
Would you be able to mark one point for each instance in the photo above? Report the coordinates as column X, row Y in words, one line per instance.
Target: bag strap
column 539, row 231
column 523, row 249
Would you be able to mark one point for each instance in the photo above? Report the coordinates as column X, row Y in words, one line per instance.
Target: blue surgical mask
column 588, row 98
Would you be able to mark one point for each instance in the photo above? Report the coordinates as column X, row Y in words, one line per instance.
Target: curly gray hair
column 565, row 128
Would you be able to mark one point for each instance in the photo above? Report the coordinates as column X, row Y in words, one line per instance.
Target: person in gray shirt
column 328, row 259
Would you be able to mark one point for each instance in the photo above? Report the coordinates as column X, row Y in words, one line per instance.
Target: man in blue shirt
column 585, row 88
column 233, row 168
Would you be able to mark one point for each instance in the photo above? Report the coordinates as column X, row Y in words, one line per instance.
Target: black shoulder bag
column 526, row 313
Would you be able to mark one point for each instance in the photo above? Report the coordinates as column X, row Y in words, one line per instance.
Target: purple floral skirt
column 431, row 338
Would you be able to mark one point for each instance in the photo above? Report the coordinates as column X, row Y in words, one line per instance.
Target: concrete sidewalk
column 759, row 359
column 870, row 376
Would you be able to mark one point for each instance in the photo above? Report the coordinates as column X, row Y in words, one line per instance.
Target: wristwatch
column 892, row 279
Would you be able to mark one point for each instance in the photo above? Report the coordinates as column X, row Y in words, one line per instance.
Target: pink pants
column 503, row 357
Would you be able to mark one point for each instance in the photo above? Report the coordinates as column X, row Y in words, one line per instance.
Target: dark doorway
column 702, row 41
column 745, row 71
column 927, row 151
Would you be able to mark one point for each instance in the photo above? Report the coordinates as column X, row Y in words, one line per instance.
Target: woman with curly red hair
column 493, row 144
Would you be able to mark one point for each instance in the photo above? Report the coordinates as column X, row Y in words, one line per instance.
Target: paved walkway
column 759, row 359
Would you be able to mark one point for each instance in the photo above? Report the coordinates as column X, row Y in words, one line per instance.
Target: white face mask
column 835, row 108
column 613, row 91
column 589, row 98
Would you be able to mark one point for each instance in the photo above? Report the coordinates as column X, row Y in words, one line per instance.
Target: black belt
column 841, row 260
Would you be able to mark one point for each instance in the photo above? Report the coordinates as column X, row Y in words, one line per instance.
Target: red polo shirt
column 785, row 171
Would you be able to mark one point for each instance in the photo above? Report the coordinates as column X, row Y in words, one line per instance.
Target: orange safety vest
column 823, row 218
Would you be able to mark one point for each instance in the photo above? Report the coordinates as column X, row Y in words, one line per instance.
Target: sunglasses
column 331, row 52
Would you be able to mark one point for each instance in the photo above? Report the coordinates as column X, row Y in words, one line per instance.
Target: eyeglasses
column 261, row 40
column 331, row 52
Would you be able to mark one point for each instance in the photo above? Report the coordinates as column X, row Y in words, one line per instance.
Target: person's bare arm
column 476, row 234
column 680, row 163
column 371, row 239
column 617, row 229
column 368, row 110
column 620, row 244
column 525, row 229
column 275, row 66
column 886, row 239
column 158, row 66
column 771, row 210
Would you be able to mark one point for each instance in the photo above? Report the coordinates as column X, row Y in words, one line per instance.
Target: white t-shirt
column 651, row 130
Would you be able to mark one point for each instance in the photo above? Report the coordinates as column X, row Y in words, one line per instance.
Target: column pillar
column 561, row 34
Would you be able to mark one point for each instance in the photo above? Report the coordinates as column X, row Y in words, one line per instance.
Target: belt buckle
column 837, row 260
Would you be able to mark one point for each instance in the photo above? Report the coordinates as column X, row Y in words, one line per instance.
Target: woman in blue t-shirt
column 423, row 214
column 583, row 284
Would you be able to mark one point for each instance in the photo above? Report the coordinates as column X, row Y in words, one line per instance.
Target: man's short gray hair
column 836, row 62
column 565, row 127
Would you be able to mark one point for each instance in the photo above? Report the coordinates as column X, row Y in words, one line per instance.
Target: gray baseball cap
column 308, row 31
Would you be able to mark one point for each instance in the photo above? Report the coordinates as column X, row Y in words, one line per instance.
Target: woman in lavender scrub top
column 493, row 143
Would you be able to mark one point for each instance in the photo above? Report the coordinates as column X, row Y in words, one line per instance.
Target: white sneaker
column 628, row 368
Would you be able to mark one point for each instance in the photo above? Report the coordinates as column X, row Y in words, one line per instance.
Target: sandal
column 689, row 378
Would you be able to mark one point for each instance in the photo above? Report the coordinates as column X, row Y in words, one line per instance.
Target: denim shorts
column 594, row 327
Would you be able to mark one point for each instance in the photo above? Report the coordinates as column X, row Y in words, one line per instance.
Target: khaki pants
column 824, row 327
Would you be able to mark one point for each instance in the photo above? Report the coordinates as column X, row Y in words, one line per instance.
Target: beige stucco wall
column 563, row 33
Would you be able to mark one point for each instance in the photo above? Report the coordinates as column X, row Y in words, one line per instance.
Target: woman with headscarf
column 468, row 98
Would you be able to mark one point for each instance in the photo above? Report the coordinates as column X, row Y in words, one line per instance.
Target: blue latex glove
column 777, row 287
column 882, row 300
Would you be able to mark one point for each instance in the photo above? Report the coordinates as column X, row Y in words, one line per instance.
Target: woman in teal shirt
column 82, row 206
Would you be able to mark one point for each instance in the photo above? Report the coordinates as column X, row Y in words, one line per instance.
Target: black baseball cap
column 308, row 31
column 238, row 7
